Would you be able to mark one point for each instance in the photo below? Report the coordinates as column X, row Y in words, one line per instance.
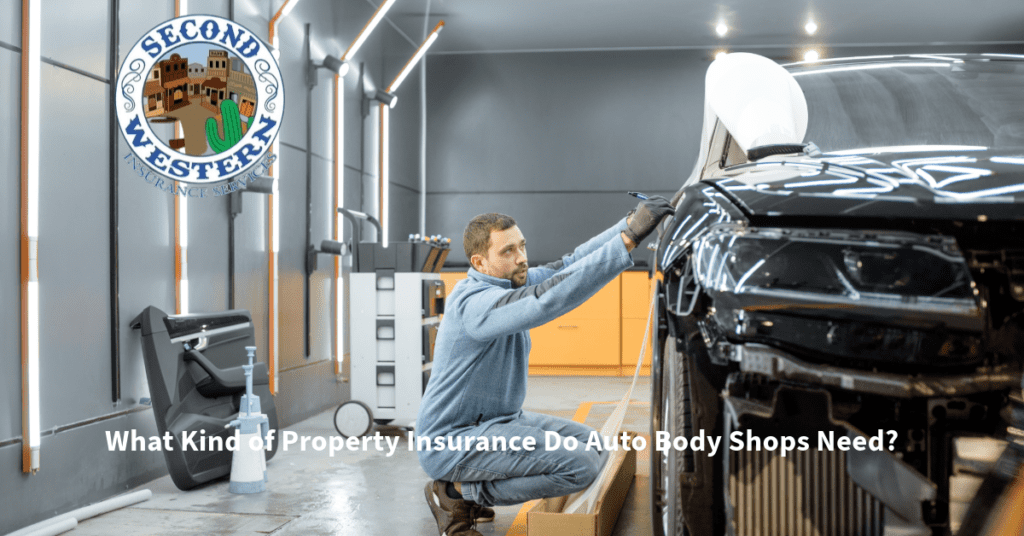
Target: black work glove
column 647, row 216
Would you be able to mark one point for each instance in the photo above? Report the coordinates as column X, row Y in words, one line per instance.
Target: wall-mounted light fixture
column 330, row 63
column 385, row 107
column 30, row 97
column 380, row 97
column 384, row 97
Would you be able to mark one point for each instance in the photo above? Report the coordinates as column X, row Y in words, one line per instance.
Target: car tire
column 694, row 495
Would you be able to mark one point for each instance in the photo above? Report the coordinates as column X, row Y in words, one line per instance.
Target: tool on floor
column 249, row 463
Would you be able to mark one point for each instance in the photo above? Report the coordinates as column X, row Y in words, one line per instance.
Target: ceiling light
column 810, row 27
column 811, row 55
column 721, row 29
column 720, row 53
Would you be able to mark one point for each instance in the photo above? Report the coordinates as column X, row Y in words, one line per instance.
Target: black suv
column 867, row 281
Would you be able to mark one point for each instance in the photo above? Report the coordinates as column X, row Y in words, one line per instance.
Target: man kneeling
column 478, row 382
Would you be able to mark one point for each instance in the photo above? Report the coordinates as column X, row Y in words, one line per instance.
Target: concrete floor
column 368, row 493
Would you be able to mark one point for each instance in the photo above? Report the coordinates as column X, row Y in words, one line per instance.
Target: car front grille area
column 804, row 494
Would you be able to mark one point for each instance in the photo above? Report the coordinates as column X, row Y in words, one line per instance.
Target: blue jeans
column 506, row 477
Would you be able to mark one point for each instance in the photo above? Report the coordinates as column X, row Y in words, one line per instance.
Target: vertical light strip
column 384, row 150
column 339, row 201
column 180, row 221
column 30, row 97
column 273, row 226
column 182, row 248
column 370, row 25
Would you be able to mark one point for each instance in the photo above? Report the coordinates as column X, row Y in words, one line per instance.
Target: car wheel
column 675, row 407
column 694, row 499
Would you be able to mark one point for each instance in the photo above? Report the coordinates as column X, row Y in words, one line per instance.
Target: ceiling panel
column 535, row 25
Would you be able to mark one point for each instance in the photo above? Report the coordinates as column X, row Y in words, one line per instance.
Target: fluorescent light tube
column 374, row 21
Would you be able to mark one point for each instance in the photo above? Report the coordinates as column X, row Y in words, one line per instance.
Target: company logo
column 199, row 101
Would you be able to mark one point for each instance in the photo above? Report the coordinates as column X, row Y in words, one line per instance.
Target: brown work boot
column 455, row 517
column 483, row 514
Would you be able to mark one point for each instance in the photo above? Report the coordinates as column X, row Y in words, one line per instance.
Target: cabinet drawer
column 636, row 295
column 576, row 343
column 632, row 338
column 601, row 306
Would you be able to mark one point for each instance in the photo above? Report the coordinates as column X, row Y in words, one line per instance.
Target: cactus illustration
column 232, row 127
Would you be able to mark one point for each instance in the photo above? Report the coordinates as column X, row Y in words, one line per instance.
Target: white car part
column 758, row 101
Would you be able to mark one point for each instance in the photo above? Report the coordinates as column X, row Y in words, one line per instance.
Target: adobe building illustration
column 191, row 93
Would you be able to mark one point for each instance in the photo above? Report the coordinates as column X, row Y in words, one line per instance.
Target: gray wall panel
column 10, row 22
column 291, row 257
column 405, row 116
column 134, row 23
column 77, row 33
column 555, row 140
column 553, row 224
column 251, row 258
column 10, row 243
column 74, row 288
column 208, row 254
column 405, row 213
column 320, row 284
column 564, row 121
column 209, row 7
column 308, row 390
column 145, row 266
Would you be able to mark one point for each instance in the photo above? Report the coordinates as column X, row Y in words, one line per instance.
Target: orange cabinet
column 587, row 336
column 636, row 305
column 602, row 336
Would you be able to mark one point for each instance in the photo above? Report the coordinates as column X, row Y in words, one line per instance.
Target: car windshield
column 922, row 100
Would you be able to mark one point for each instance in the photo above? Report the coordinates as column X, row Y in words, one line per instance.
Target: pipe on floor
column 47, row 527
column 51, row 529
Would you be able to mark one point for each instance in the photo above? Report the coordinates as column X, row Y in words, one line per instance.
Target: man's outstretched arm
column 633, row 229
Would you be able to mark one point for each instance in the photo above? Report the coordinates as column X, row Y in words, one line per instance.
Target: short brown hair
column 477, row 238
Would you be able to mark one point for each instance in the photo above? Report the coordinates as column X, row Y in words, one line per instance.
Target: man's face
column 506, row 258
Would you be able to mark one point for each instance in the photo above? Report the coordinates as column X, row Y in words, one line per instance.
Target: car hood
column 930, row 182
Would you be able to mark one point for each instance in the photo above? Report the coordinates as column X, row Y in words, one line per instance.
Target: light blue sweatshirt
column 483, row 343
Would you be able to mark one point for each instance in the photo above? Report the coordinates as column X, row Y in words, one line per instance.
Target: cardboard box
column 546, row 519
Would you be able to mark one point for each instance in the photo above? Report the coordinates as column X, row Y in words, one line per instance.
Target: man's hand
column 646, row 217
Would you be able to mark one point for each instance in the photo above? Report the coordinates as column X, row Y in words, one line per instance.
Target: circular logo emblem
column 199, row 99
